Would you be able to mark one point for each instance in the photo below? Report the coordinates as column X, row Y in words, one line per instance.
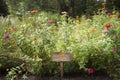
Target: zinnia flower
column 92, row 30
column 14, row 28
column 104, row 10
column 6, row 36
column 50, row 21
column 105, row 31
column 90, row 70
column 114, row 49
column 9, row 28
column 108, row 25
column 34, row 11
column 35, row 42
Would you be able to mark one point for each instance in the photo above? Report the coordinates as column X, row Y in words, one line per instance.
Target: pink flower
column 90, row 70
column 50, row 21
column 6, row 36
column 105, row 31
column 114, row 49
column 106, row 11
column 14, row 28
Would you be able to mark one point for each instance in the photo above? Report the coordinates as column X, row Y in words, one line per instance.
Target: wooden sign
column 61, row 57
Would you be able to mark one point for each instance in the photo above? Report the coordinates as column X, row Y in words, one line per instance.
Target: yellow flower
column 35, row 41
column 77, row 20
column 9, row 28
column 12, row 42
column 35, row 57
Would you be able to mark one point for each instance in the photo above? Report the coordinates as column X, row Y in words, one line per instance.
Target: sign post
column 61, row 57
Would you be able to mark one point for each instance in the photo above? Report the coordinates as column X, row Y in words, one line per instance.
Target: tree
column 3, row 8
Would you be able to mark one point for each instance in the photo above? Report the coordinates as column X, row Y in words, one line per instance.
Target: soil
column 85, row 77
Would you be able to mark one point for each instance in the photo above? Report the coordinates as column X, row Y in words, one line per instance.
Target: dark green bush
column 8, row 61
column 3, row 8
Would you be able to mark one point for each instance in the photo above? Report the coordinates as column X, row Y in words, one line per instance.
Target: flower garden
column 28, row 41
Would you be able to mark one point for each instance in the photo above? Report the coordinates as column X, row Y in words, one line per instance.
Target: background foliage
column 73, row 7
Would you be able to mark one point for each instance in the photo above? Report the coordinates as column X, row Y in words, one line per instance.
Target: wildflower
column 35, row 42
column 14, row 28
column 30, row 18
column 115, row 27
column 6, row 36
column 105, row 31
column 114, row 49
column 50, row 21
column 108, row 25
column 99, row 9
column 34, row 11
column 90, row 70
column 12, row 42
column 104, row 3
column 109, row 14
column 35, row 57
column 116, row 37
column 92, row 30
column 77, row 20
column 64, row 12
column 9, row 28
column 104, row 10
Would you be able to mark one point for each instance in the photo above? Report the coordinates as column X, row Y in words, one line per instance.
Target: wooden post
column 61, row 70
column 61, row 57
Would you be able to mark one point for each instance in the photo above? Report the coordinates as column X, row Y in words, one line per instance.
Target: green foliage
column 73, row 7
column 3, row 8
column 93, row 42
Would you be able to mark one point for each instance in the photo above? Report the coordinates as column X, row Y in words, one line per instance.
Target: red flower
column 114, row 49
column 90, row 70
column 108, row 25
column 6, row 36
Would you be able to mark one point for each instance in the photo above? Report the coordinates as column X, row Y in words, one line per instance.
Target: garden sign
column 61, row 57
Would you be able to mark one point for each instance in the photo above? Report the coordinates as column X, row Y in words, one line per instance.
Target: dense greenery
column 73, row 7
column 3, row 8
column 32, row 38
column 29, row 37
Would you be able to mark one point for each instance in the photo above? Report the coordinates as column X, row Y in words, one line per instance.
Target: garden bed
column 66, row 78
